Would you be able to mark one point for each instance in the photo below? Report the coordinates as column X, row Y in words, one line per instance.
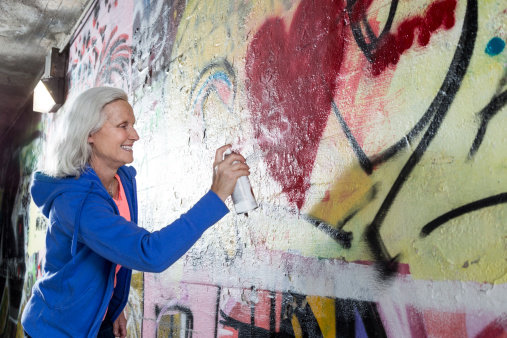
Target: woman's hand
column 120, row 326
column 226, row 173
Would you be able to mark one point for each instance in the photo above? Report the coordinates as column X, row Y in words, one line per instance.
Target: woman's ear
column 90, row 139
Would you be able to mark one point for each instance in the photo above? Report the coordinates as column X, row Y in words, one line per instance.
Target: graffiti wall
column 375, row 133
column 19, row 152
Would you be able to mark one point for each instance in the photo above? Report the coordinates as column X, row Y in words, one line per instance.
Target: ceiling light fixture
column 49, row 94
column 42, row 101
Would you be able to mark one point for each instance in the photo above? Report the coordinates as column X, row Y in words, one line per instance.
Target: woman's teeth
column 126, row 147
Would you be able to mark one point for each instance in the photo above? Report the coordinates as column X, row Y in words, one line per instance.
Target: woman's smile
column 113, row 144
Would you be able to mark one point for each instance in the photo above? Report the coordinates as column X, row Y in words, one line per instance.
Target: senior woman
column 93, row 242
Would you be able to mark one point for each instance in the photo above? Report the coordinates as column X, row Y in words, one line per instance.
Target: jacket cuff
column 208, row 210
column 216, row 203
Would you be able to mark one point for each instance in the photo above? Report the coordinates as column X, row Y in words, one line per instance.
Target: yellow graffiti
column 298, row 331
column 379, row 111
column 351, row 192
column 324, row 311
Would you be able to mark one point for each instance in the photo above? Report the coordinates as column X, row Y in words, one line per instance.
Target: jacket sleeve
column 125, row 243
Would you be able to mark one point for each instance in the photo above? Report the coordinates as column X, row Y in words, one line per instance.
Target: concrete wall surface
column 376, row 135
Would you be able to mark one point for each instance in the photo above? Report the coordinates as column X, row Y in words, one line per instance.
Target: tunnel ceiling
column 28, row 30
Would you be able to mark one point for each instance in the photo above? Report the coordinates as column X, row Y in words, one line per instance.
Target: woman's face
column 112, row 144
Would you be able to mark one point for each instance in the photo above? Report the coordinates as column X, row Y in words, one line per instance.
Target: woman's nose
column 133, row 134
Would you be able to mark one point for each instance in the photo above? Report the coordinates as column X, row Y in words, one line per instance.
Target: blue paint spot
column 495, row 46
column 359, row 326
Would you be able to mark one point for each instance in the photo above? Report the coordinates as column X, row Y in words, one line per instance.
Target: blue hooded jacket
column 86, row 239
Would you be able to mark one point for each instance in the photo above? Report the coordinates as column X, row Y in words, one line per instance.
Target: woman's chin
column 130, row 160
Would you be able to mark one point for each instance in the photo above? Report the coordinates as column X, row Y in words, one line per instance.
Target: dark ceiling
column 28, row 31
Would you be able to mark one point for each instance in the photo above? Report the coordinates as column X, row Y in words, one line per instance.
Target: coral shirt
column 123, row 207
column 122, row 202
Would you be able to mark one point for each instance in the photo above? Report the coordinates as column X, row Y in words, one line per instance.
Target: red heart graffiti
column 290, row 80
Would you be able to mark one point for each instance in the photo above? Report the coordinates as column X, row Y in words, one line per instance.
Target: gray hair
column 68, row 150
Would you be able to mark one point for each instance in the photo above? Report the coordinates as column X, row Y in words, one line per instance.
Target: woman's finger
column 239, row 166
column 232, row 170
column 219, row 155
column 116, row 328
column 233, row 157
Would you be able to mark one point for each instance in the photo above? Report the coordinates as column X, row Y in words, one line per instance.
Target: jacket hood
column 46, row 188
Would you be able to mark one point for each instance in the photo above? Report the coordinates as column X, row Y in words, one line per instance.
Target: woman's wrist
column 220, row 195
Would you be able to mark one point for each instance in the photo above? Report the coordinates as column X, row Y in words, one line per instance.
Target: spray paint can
column 243, row 197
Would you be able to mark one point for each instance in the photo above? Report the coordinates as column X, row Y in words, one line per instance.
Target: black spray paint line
column 307, row 319
column 372, row 321
column 272, row 311
column 441, row 105
column 189, row 318
column 345, row 318
column 335, row 232
column 293, row 305
column 365, row 47
column 252, row 314
column 470, row 207
column 486, row 114
column 363, row 159
column 370, row 196
column 244, row 330
column 367, row 50
column 339, row 235
column 369, row 31
column 217, row 309
column 358, row 36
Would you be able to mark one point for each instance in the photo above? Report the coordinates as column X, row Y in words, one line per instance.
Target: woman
column 93, row 241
